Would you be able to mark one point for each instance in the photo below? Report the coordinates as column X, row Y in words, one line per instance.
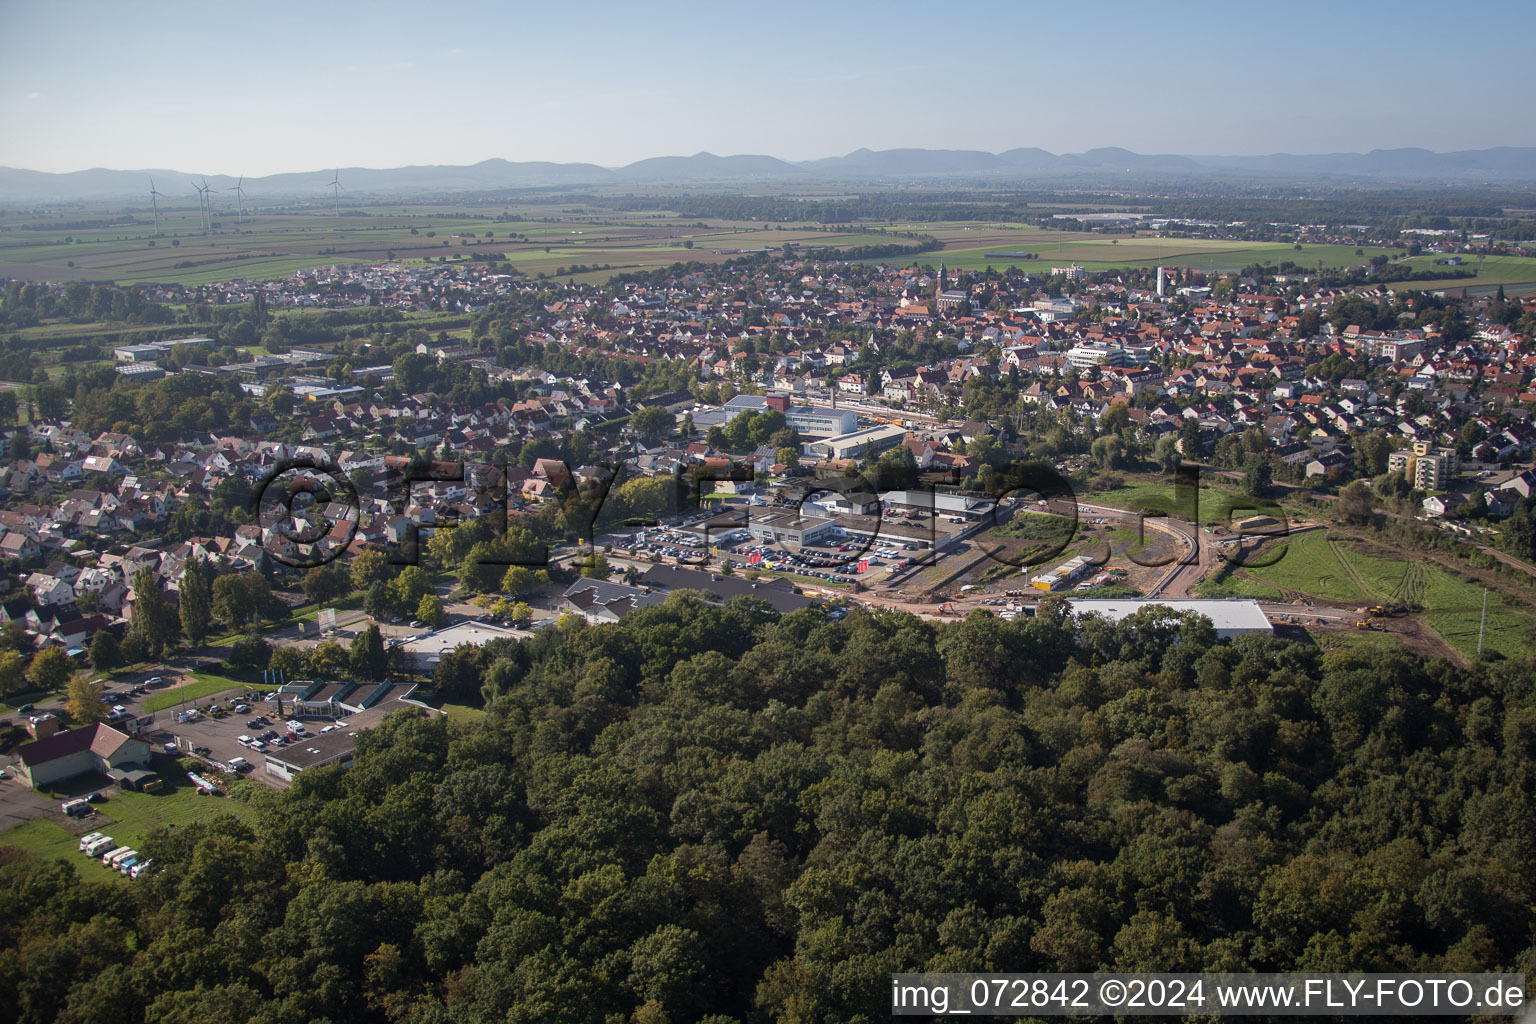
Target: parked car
column 25, row 709
column 240, row 764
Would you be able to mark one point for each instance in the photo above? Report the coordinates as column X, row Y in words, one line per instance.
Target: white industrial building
column 870, row 440
column 791, row 528
column 149, row 351
column 428, row 649
column 1231, row 618
column 807, row 419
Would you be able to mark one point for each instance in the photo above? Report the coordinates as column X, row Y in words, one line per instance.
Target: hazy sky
column 256, row 88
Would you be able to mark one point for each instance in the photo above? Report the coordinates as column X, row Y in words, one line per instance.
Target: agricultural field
column 118, row 243
column 1097, row 253
column 1517, row 273
column 1318, row 566
column 269, row 244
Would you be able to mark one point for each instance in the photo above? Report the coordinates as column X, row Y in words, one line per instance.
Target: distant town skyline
column 287, row 87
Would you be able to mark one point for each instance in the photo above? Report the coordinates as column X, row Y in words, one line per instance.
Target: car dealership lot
column 220, row 736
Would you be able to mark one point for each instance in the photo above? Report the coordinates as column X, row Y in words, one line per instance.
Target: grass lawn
column 1226, row 583
column 1213, row 505
column 462, row 713
column 310, row 612
column 1310, row 564
column 306, row 612
column 1365, row 643
column 1488, row 272
column 1316, row 566
column 204, row 684
column 127, row 817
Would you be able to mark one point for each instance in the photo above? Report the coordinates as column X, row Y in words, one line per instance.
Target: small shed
column 136, row 780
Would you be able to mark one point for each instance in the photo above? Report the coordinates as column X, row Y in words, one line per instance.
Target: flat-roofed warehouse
column 926, row 532
column 428, row 649
column 339, row 745
column 939, row 503
column 806, row 419
column 1231, row 618
column 790, row 528
column 871, row 440
column 312, row 752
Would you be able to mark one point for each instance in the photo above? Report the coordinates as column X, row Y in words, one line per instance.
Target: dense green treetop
column 706, row 813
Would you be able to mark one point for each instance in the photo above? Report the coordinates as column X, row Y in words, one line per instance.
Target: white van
column 88, row 839
column 100, row 846
column 141, row 867
column 116, row 851
column 244, row 741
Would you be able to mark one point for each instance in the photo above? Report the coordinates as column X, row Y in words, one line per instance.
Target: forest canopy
column 717, row 814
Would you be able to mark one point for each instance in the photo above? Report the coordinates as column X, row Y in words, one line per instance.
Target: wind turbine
column 336, row 190
column 240, row 198
column 202, row 205
column 154, row 201
column 208, row 190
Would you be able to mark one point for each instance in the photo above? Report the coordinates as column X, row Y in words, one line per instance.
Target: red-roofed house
column 77, row 751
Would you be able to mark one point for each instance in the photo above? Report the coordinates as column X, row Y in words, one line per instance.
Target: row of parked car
column 802, row 564
column 122, row 859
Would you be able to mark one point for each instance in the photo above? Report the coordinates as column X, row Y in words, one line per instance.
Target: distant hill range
column 1503, row 165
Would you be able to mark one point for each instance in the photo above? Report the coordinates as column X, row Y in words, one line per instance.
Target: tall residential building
column 1430, row 468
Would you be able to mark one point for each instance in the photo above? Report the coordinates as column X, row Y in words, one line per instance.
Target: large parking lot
column 215, row 737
